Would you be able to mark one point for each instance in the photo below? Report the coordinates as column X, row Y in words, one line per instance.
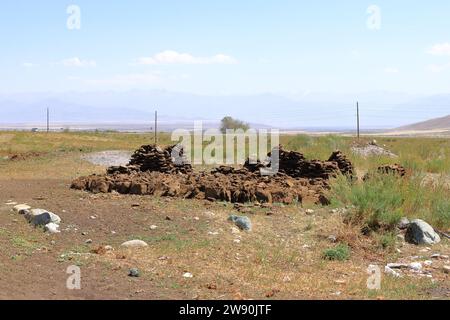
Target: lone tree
column 230, row 123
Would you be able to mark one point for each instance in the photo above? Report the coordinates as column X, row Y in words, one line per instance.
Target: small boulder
column 41, row 217
column 134, row 244
column 242, row 222
column 419, row 232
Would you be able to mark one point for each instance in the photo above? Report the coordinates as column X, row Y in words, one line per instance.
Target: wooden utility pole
column 48, row 120
column 357, row 118
column 156, row 127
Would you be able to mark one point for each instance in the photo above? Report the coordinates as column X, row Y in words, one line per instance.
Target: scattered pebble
column 332, row 238
column 188, row 275
column 88, row 241
column 134, row 273
column 309, row 211
column 153, row 227
column 134, row 244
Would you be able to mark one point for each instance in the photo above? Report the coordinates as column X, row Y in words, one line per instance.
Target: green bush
column 377, row 201
column 341, row 252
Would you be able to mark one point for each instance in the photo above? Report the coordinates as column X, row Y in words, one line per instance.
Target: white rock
column 134, row 244
column 417, row 266
column 392, row 272
column 11, row 203
column 237, row 240
column 187, row 275
column 153, row 227
column 446, row 269
column 215, row 233
column 309, row 211
column 20, row 207
column 88, row 241
column 419, row 232
column 109, row 248
column 196, row 218
column 51, row 228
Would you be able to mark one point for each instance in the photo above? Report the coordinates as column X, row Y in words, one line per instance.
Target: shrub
column 341, row 252
column 233, row 124
column 377, row 201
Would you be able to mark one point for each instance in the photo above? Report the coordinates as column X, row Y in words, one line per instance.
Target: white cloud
column 440, row 49
column 174, row 57
column 78, row 63
column 391, row 70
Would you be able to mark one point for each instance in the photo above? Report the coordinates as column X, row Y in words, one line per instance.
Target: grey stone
column 242, row 222
column 420, row 232
column 41, row 217
column 134, row 273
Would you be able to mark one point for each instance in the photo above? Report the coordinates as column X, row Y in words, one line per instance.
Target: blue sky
column 226, row 47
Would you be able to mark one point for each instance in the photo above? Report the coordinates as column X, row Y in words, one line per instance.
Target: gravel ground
column 108, row 158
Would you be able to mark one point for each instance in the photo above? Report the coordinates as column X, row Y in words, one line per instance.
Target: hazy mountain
column 433, row 124
column 379, row 110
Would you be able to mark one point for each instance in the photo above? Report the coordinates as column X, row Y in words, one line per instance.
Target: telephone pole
column 48, row 120
column 156, row 127
column 357, row 118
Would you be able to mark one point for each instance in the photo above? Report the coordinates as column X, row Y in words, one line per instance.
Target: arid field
column 296, row 251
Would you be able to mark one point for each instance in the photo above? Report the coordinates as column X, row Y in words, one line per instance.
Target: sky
column 225, row 47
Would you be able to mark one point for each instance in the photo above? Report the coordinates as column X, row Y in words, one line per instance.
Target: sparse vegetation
column 341, row 252
column 287, row 253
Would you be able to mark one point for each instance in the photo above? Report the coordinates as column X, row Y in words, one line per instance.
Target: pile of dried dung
column 231, row 187
column 153, row 171
column 154, row 158
column 294, row 164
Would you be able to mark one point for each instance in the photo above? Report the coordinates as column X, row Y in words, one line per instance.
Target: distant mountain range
column 379, row 110
column 433, row 124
